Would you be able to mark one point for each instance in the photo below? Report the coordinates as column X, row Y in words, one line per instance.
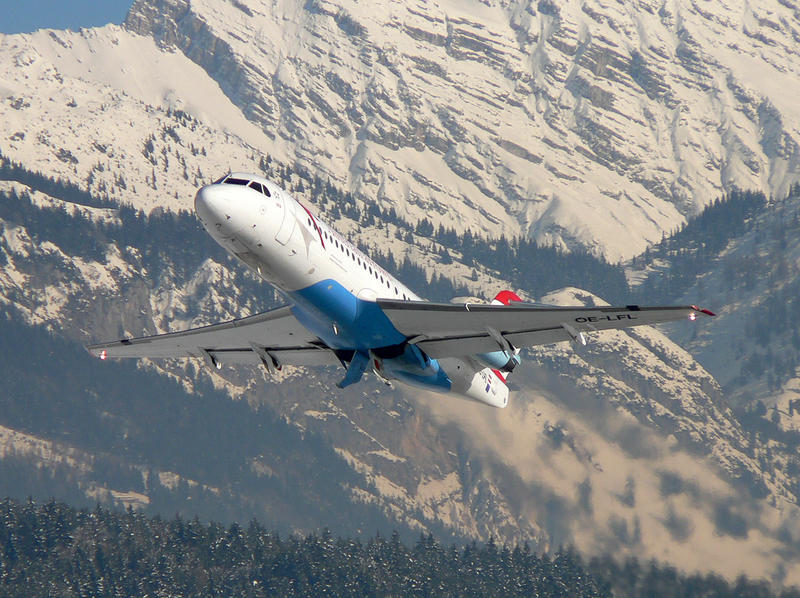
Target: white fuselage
column 333, row 286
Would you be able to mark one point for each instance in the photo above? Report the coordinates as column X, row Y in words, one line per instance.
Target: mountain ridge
column 597, row 89
column 428, row 463
column 543, row 123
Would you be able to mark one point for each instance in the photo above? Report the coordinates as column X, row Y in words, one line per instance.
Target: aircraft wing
column 456, row 330
column 273, row 338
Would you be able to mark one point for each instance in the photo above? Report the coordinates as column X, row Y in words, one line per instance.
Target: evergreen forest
column 51, row 549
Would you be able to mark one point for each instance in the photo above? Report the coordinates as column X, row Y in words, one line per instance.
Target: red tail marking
column 506, row 297
column 499, row 375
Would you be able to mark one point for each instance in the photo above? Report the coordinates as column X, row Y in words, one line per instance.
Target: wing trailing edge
column 454, row 330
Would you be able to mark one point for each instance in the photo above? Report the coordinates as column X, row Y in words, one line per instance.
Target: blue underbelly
column 345, row 322
column 415, row 368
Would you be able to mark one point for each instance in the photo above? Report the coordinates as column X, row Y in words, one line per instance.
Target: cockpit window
column 220, row 179
column 256, row 185
column 233, row 181
column 266, row 191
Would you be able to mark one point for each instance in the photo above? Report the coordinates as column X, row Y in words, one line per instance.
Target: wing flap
column 460, row 346
column 300, row 356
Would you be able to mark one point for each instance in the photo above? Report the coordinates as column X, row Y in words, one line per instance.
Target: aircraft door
column 289, row 221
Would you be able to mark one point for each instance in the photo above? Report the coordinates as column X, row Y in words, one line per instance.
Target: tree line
column 51, row 549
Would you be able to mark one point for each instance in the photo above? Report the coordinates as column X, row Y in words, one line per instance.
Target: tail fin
column 505, row 298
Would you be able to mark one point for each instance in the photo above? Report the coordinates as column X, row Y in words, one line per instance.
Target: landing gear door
column 289, row 220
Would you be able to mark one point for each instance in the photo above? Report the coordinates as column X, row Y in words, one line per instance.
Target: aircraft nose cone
column 210, row 204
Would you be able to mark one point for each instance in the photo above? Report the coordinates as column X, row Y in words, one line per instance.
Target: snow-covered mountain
column 578, row 123
column 755, row 281
column 109, row 111
column 625, row 445
column 594, row 124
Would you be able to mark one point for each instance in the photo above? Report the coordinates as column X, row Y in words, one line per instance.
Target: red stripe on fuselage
column 499, row 375
column 314, row 221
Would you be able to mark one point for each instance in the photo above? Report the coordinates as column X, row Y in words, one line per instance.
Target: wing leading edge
column 456, row 330
column 273, row 338
column 276, row 337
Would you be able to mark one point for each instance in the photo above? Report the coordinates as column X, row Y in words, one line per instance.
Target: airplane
column 343, row 309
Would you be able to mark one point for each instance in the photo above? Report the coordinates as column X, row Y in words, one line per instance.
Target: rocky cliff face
column 576, row 123
column 592, row 124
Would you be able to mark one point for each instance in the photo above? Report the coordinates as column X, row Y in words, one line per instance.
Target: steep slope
column 745, row 265
column 741, row 257
column 595, row 125
column 601, row 126
column 109, row 111
column 625, row 445
column 577, row 123
column 753, row 347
